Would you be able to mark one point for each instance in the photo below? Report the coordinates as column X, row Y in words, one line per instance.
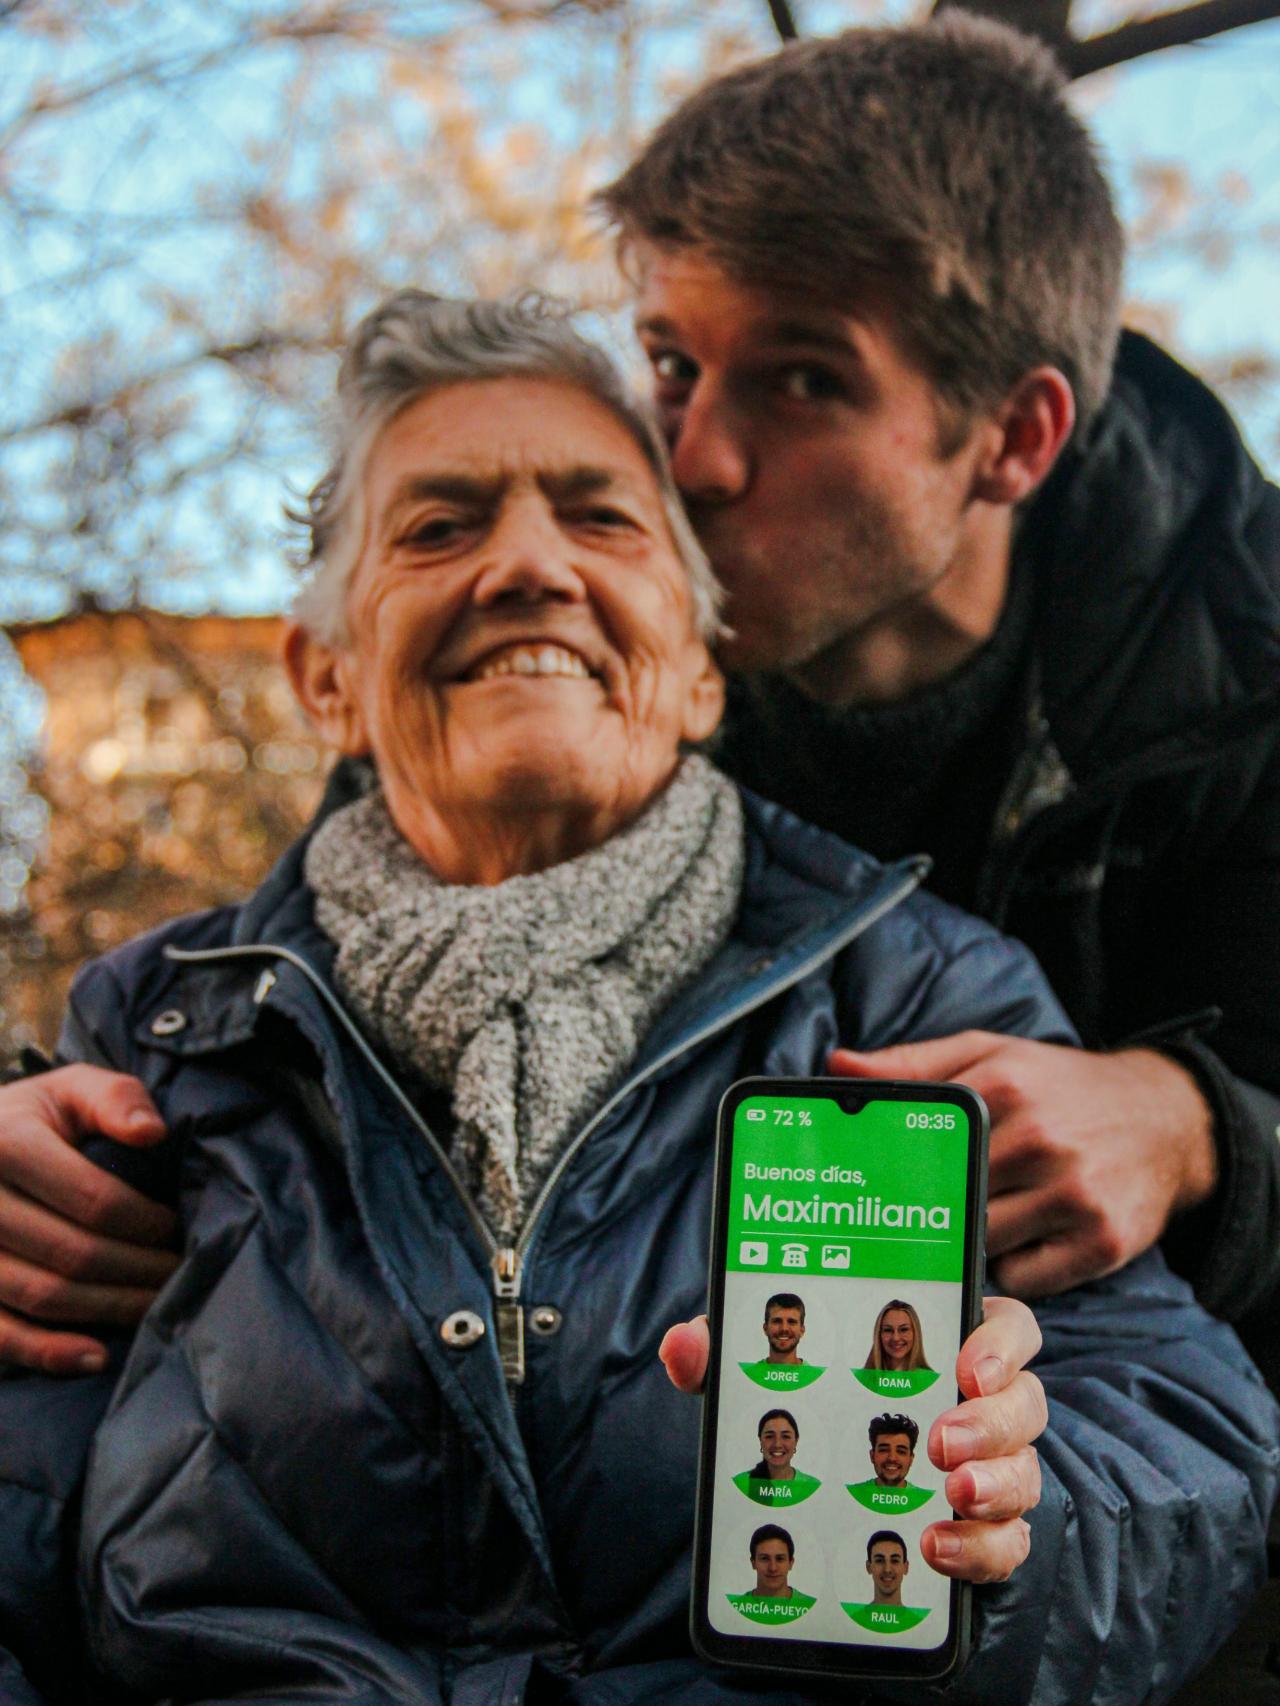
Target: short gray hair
column 414, row 343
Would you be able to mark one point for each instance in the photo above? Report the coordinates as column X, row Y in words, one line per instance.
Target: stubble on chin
column 805, row 608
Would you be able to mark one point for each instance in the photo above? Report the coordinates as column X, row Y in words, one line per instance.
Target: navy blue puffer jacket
column 299, row 1490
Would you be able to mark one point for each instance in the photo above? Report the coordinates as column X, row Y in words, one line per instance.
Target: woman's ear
column 704, row 705
column 320, row 677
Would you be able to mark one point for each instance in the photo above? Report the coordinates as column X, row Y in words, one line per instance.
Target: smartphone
column 846, row 1270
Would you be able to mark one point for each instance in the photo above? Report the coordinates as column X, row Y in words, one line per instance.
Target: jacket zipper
column 507, row 1261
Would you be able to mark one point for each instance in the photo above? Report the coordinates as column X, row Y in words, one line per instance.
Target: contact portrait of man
column 784, row 1328
column 773, row 1557
column 893, row 1449
column 887, row 1565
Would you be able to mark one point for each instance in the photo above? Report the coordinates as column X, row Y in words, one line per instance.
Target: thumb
column 684, row 1352
column 942, row 1058
column 79, row 1101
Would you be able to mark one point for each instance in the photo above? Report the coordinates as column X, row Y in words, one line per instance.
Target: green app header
column 877, row 1194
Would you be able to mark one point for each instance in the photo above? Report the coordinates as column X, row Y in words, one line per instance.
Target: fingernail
column 989, row 1373
column 140, row 1120
column 947, row 1545
column 92, row 1362
column 985, row 1484
column 958, row 1444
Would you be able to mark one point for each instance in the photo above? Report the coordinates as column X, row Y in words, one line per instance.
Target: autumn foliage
column 176, row 768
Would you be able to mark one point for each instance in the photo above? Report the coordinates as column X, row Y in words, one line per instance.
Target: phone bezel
column 827, row 1658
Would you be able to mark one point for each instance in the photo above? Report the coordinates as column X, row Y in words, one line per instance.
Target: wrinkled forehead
column 506, row 432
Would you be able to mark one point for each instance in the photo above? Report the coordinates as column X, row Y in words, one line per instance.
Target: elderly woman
column 441, row 1098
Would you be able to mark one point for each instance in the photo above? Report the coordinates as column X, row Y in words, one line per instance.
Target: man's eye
column 672, row 369
column 808, row 384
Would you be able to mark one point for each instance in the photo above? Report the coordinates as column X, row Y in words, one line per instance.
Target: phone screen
column 845, row 1274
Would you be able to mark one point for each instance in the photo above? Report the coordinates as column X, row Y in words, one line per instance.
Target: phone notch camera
column 852, row 1101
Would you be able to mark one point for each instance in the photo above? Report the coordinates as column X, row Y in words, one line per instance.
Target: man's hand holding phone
column 984, row 1443
column 76, row 1244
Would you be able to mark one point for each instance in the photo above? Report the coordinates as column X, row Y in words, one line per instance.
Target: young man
column 993, row 599
column 887, row 1565
column 889, row 1489
column 784, row 1327
column 773, row 1557
column 893, row 1449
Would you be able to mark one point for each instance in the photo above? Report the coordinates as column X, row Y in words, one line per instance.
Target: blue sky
column 1199, row 124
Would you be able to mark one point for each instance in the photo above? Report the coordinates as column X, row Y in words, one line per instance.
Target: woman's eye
column 605, row 517
column 431, row 535
column 808, row 384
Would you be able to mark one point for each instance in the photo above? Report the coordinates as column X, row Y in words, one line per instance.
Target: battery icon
column 755, row 1113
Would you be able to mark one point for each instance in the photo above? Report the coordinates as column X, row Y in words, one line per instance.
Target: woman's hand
column 984, row 1443
column 76, row 1244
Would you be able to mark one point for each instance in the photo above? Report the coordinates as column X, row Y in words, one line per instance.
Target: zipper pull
column 508, row 1314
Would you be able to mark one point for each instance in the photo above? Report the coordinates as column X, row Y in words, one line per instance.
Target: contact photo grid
column 823, row 1485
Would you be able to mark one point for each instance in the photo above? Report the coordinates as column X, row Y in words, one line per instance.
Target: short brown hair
column 937, row 167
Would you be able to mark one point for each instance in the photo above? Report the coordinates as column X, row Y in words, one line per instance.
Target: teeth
column 533, row 660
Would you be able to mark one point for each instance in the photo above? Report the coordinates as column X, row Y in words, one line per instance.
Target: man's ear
column 1030, row 428
column 704, row 706
column 320, row 677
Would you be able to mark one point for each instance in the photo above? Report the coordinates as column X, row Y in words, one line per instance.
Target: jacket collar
column 805, row 894
column 1157, row 609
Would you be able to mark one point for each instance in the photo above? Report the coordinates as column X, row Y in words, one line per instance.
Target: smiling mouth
column 531, row 659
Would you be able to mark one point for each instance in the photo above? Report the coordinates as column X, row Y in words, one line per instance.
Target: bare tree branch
column 1169, row 29
column 83, row 409
column 165, row 70
column 1081, row 56
column 783, row 19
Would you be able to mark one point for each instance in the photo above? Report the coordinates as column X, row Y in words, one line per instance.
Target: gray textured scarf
column 529, row 999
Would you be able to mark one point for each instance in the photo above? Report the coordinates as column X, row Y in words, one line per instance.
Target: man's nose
column 710, row 456
column 529, row 557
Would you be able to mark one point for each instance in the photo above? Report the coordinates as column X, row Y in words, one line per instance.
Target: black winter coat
column 1135, row 846
column 302, row 1491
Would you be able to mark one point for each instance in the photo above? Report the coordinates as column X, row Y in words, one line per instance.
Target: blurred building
column 176, row 767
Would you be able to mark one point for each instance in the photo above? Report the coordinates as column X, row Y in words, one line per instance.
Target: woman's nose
column 709, row 453
column 529, row 557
